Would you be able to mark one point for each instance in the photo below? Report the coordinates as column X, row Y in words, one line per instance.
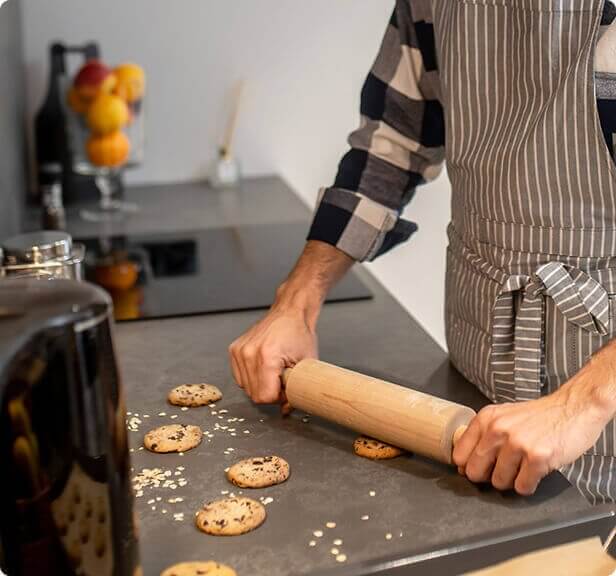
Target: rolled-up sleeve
column 398, row 145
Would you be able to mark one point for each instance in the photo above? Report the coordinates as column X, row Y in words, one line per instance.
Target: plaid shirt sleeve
column 399, row 144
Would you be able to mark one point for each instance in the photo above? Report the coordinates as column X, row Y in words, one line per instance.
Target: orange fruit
column 130, row 82
column 117, row 276
column 75, row 102
column 111, row 150
column 108, row 113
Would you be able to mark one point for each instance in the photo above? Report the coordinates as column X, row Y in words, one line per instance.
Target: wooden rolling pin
column 394, row 414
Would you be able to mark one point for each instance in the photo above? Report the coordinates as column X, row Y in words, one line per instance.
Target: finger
column 269, row 382
column 235, row 370
column 243, row 362
column 481, row 463
column 531, row 473
column 507, row 468
column 466, row 444
column 285, row 406
column 235, row 354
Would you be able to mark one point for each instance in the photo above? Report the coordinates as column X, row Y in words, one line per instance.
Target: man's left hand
column 515, row 445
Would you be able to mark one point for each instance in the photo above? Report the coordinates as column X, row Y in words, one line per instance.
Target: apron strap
column 518, row 338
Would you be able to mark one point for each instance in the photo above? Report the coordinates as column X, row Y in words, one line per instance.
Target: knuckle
column 487, row 411
column 485, row 417
column 500, row 482
column 249, row 351
column 497, row 427
column 538, row 454
column 265, row 397
column 516, row 443
column 266, row 353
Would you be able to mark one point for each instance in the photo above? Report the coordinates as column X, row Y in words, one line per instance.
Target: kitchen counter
column 418, row 502
column 185, row 206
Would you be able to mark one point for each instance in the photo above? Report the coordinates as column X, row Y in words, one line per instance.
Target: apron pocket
column 469, row 352
column 469, row 299
column 469, row 294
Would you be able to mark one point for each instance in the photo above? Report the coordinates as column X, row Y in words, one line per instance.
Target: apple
column 92, row 78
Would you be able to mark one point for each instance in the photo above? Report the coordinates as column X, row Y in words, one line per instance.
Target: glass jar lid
column 37, row 247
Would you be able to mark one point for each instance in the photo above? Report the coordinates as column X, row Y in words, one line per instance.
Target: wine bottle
column 50, row 128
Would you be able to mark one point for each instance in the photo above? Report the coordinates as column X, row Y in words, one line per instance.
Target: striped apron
column 531, row 267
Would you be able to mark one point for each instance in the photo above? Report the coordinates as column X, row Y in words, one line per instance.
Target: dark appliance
column 66, row 503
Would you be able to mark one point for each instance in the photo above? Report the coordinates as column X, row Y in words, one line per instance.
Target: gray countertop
column 190, row 206
column 419, row 502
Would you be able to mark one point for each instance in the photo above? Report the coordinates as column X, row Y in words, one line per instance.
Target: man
column 505, row 91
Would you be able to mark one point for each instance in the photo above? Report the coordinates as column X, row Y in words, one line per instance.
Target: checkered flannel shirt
column 400, row 142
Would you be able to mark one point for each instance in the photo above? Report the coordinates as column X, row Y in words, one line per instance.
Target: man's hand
column 278, row 341
column 287, row 334
column 516, row 445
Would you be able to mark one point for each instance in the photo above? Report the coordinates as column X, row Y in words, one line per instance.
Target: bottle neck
column 56, row 72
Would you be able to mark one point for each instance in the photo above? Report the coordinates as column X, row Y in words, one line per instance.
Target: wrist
column 300, row 298
column 604, row 379
column 594, row 386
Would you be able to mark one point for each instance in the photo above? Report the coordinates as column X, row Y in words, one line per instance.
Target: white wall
column 304, row 63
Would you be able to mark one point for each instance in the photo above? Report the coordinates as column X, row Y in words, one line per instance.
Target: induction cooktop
column 201, row 271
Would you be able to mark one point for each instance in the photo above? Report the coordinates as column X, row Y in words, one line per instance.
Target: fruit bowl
column 104, row 110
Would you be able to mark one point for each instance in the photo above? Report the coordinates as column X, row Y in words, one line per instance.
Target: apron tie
column 517, row 338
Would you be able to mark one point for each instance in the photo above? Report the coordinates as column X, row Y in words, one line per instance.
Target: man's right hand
column 278, row 341
column 287, row 334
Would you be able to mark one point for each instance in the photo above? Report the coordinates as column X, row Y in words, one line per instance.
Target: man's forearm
column 317, row 270
column 596, row 381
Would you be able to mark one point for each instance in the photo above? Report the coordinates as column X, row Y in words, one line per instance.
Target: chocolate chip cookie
column 193, row 395
column 173, row 438
column 231, row 516
column 259, row 472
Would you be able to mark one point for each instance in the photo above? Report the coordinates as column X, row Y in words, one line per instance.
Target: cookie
column 194, row 395
column 231, row 516
column 258, row 472
column 199, row 569
column 375, row 449
column 173, row 438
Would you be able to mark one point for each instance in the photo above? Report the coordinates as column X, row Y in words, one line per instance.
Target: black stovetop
column 204, row 271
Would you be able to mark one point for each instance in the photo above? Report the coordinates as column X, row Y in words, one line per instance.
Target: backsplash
column 12, row 97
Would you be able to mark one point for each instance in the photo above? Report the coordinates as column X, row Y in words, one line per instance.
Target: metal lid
column 37, row 247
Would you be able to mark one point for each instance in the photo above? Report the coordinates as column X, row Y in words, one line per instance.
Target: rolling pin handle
column 458, row 434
